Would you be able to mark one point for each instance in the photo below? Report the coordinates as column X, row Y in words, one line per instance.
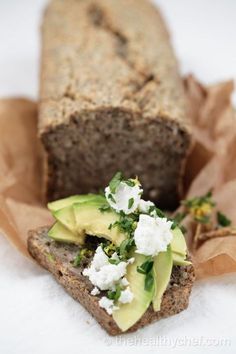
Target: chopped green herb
column 160, row 213
column 146, row 267
column 129, row 182
column 223, row 220
column 149, row 281
column 151, row 209
column 113, row 261
column 110, row 196
column 177, row 220
column 105, row 208
column 83, row 253
column 126, row 247
column 130, row 203
column 77, row 260
column 126, row 223
column 114, row 295
column 109, row 248
column 114, row 183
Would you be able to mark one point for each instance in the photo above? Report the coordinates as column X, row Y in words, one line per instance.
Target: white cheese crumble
column 126, row 296
column 115, row 256
column 108, row 305
column 107, row 275
column 100, row 259
column 131, row 260
column 124, row 281
column 95, row 291
column 152, row 235
column 144, row 206
column 126, row 198
column 103, row 274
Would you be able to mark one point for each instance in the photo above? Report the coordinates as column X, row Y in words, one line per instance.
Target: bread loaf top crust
column 108, row 54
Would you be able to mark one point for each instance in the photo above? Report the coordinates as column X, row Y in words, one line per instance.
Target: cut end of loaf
column 84, row 153
column 111, row 99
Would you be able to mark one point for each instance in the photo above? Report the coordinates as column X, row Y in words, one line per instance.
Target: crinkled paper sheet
column 211, row 165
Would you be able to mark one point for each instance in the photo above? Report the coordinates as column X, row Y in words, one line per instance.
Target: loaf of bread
column 57, row 258
column 111, row 99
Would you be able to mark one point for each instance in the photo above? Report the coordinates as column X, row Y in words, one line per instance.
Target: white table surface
column 36, row 315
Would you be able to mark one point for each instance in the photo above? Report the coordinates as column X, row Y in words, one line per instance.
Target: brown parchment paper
column 21, row 205
column 211, row 165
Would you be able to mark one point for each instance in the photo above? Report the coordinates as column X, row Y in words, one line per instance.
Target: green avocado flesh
column 179, row 248
column 66, row 217
column 60, row 233
column 128, row 314
column 179, row 260
column 178, row 244
column 62, row 203
column 91, row 221
column 162, row 272
column 85, row 218
column 80, row 215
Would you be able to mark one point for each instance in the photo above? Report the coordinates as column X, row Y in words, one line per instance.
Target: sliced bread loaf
column 111, row 99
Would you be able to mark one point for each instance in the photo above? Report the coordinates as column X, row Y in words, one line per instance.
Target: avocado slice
column 66, row 217
column 128, row 314
column 179, row 259
column 92, row 221
column 60, row 233
column 62, row 203
column 179, row 248
column 178, row 243
column 162, row 272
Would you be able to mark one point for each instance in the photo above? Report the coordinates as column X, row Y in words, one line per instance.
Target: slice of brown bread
column 111, row 99
column 58, row 258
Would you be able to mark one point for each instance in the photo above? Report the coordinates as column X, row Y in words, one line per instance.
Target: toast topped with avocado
column 118, row 255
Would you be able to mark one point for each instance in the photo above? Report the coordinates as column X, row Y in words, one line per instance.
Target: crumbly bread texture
column 111, row 99
column 57, row 258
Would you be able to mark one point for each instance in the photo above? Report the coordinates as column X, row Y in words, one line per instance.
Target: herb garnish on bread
column 118, row 255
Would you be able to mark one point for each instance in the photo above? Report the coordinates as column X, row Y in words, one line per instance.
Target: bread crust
column 57, row 258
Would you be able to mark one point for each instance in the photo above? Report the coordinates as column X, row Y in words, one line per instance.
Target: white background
column 36, row 316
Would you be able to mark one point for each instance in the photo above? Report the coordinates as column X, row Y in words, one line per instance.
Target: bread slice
column 111, row 99
column 57, row 258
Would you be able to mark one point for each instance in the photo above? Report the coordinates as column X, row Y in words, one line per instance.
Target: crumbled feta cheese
column 103, row 274
column 107, row 276
column 126, row 296
column 153, row 213
column 95, row 291
column 130, row 260
column 124, row 282
column 152, row 235
column 108, row 305
column 115, row 256
column 126, row 198
column 100, row 258
column 144, row 206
